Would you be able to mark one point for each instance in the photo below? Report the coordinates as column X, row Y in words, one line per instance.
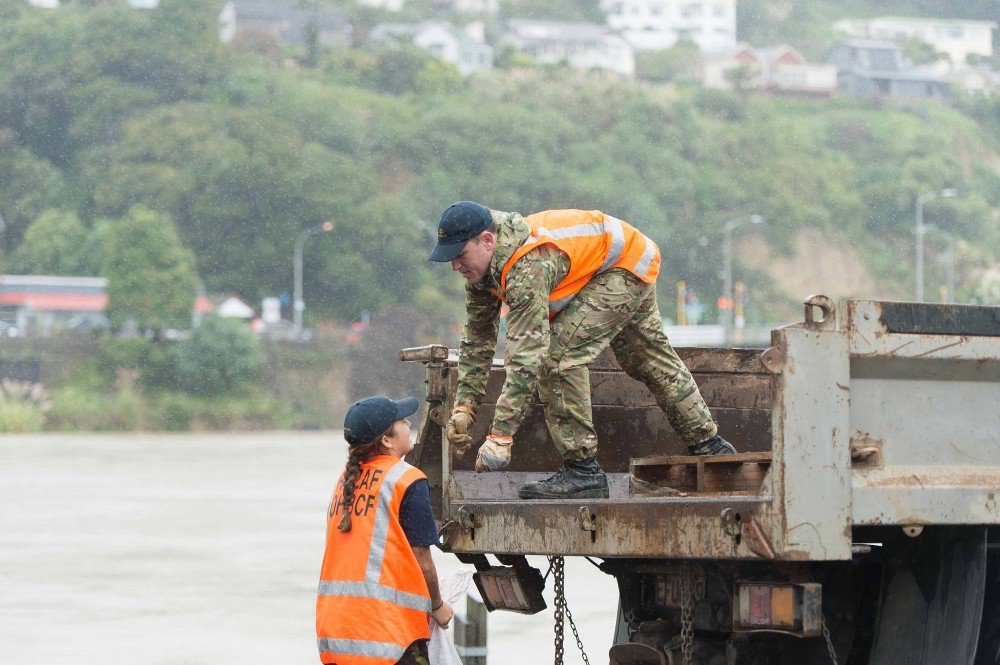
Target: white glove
column 457, row 429
column 494, row 454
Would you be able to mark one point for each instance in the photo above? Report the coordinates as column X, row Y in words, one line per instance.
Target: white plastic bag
column 440, row 649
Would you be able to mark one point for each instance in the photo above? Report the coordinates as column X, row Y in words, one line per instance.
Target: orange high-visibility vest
column 594, row 242
column 373, row 600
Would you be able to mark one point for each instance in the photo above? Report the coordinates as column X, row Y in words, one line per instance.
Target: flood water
column 199, row 549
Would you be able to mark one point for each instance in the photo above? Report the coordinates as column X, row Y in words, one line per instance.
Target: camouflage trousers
column 615, row 308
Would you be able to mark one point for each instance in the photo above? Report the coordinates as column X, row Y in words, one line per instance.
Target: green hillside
column 111, row 119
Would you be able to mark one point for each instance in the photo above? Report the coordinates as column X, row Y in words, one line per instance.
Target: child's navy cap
column 371, row 416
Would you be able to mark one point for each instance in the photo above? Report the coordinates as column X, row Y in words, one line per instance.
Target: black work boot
column 581, row 479
column 714, row 446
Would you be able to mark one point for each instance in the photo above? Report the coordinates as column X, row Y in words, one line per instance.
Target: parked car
column 89, row 321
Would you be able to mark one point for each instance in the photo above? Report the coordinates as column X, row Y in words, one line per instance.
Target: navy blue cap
column 459, row 224
column 370, row 417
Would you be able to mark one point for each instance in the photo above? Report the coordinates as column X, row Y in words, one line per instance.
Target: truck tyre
column 931, row 601
column 988, row 652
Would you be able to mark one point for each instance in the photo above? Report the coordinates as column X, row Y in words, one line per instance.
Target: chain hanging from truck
column 829, row 643
column 687, row 613
column 556, row 566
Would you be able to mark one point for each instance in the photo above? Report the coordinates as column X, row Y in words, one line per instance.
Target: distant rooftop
column 561, row 29
column 870, row 44
column 926, row 20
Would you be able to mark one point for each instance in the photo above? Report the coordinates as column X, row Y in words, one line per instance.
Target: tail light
column 771, row 606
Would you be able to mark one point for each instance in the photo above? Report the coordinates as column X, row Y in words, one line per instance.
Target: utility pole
column 920, row 231
column 727, row 274
column 950, row 258
column 682, row 319
column 3, row 239
column 298, row 305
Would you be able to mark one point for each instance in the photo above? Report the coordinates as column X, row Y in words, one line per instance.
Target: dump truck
column 858, row 523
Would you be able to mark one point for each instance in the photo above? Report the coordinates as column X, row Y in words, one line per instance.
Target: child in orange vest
column 378, row 586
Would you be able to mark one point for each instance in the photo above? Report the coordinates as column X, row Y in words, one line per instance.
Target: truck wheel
column 988, row 652
column 931, row 601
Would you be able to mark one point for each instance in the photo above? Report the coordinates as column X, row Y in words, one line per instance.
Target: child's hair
column 356, row 456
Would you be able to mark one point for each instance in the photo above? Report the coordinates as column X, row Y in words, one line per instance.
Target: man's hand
column 443, row 614
column 494, row 454
column 458, row 428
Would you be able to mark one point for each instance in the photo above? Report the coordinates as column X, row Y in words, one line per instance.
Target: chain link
column 556, row 564
column 687, row 614
column 572, row 626
column 829, row 642
column 558, row 580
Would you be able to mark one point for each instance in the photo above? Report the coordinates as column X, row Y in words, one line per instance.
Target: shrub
column 19, row 417
column 78, row 409
column 152, row 361
column 220, row 356
column 176, row 411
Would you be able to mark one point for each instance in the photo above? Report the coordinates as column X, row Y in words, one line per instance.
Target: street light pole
column 298, row 305
column 950, row 274
column 920, row 231
column 3, row 239
column 727, row 278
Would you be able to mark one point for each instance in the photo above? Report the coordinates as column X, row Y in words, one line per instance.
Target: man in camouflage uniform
column 614, row 307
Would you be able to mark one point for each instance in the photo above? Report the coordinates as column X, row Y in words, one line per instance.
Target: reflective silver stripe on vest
column 380, row 530
column 613, row 225
column 361, row 648
column 575, row 231
column 413, row 601
column 642, row 267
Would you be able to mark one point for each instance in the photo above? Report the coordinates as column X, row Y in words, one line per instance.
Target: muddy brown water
column 199, row 549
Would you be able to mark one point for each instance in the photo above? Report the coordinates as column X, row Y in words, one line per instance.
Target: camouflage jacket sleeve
column 479, row 341
column 529, row 284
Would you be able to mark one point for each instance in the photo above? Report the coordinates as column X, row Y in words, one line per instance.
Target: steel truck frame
column 862, row 506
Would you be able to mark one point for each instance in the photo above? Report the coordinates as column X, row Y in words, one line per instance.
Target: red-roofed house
column 44, row 303
column 780, row 70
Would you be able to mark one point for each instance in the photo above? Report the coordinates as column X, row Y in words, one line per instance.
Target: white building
column 659, row 24
column 484, row 7
column 389, row 5
column 464, row 48
column 580, row 45
column 956, row 38
column 134, row 4
column 977, row 82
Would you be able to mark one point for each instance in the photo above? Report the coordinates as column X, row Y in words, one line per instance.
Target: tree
column 28, row 185
column 220, row 356
column 920, row 52
column 743, row 78
column 151, row 275
column 680, row 61
column 52, row 245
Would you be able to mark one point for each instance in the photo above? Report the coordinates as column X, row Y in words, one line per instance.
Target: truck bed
column 873, row 413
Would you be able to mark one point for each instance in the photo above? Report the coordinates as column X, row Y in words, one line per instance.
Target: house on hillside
column 388, row 5
column 580, row 45
column 286, row 22
column 134, row 4
column 659, row 24
column 868, row 68
column 958, row 39
column 481, row 7
column 780, row 71
column 43, row 304
column 974, row 81
column 717, row 65
column 466, row 48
